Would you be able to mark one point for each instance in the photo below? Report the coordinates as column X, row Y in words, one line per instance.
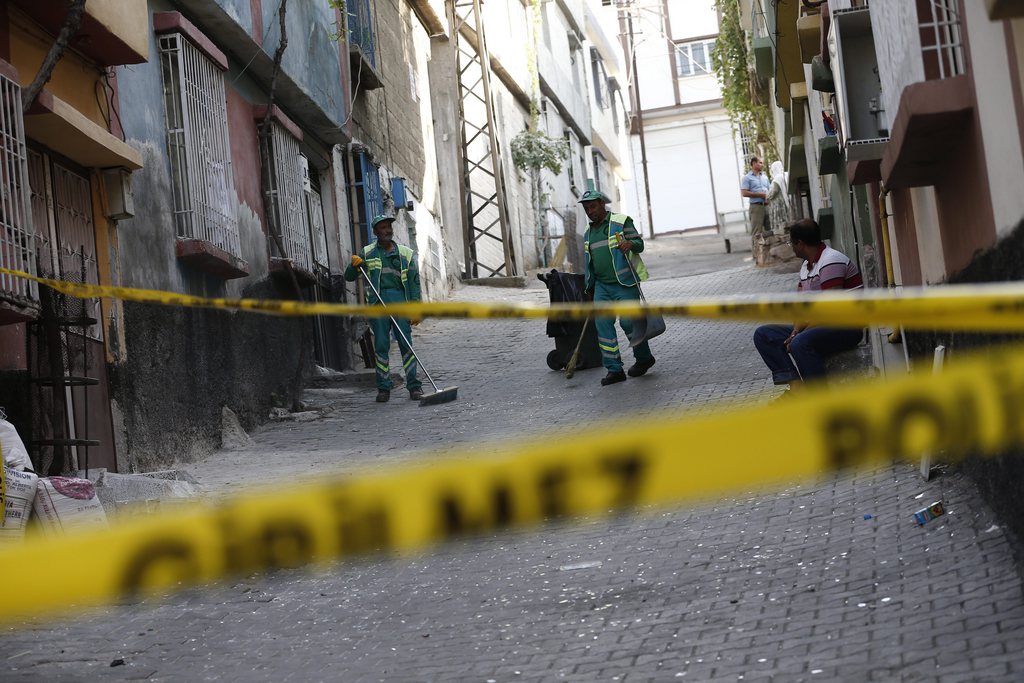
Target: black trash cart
column 562, row 288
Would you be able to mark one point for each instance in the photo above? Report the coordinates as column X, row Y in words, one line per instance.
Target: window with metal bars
column 17, row 237
column 941, row 41
column 601, row 94
column 601, row 173
column 367, row 186
column 318, row 231
column 286, row 199
column 360, row 29
column 195, row 109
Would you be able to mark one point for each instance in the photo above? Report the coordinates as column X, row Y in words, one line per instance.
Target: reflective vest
column 616, row 224
column 375, row 267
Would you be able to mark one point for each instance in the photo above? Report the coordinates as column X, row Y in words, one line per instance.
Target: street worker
column 392, row 269
column 798, row 352
column 610, row 246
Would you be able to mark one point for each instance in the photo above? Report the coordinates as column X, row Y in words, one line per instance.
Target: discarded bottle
column 929, row 513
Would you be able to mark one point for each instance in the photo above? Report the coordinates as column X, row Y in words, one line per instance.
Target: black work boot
column 639, row 369
column 383, row 395
column 415, row 394
column 613, row 378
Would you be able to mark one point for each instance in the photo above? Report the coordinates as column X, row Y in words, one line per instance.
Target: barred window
column 286, row 199
column 197, row 143
column 318, row 230
column 360, row 29
column 17, row 242
column 601, row 182
column 601, row 94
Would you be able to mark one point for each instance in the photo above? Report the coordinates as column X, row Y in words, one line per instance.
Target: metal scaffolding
column 489, row 251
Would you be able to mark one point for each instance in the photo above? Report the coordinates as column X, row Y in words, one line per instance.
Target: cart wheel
column 555, row 361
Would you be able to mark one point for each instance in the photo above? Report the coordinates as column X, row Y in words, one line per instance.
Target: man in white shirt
column 807, row 346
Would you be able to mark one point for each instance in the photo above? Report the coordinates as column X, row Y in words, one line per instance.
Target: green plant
column 532, row 149
column 339, row 35
column 741, row 98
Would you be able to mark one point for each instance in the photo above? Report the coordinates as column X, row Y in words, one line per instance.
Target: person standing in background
column 754, row 187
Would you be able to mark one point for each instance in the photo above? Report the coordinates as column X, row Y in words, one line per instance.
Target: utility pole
column 711, row 169
column 638, row 108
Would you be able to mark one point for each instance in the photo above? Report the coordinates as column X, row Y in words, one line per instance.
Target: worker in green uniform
column 393, row 271
column 610, row 240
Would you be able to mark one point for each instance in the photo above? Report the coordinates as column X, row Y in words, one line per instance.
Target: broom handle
column 398, row 329
column 636, row 278
column 571, row 367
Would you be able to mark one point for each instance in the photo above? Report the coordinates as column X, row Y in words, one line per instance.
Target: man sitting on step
column 796, row 353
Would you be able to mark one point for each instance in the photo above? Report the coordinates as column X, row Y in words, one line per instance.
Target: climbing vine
column 741, row 96
column 532, row 149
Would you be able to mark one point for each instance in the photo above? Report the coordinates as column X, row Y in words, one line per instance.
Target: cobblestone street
column 822, row 581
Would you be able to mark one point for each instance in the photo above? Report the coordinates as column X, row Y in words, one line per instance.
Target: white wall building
column 694, row 159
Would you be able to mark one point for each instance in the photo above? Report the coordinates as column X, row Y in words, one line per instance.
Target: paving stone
column 708, row 591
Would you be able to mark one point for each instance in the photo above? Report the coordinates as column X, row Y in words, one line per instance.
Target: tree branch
column 72, row 21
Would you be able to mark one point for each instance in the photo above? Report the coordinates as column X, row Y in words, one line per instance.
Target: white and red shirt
column 830, row 270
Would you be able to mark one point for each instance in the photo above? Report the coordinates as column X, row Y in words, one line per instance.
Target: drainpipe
column 883, row 217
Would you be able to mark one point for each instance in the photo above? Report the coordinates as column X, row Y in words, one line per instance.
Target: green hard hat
column 595, row 196
column 377, row 220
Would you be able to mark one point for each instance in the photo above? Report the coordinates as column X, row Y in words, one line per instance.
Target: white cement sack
column 67, row 504
column 15, row 454
column 21, row 492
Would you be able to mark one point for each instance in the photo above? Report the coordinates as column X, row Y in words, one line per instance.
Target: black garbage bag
column 568, row 288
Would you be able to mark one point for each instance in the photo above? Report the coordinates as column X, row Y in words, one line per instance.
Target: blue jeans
column 607, row 337
column 809, row 349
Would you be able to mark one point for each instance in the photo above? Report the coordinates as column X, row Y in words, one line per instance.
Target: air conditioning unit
column 863, row 124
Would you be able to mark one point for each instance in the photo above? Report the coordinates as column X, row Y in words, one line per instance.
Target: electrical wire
column 259, row 50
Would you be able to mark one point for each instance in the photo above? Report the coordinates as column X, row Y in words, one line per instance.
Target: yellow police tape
column 977, row 308
column 973, row 407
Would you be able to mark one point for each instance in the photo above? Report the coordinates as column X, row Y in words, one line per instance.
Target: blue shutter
column 370, row 181
column 398, row 193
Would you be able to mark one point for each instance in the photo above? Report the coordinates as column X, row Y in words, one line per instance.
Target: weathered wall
column 1001, row 480
column 181, row 366
column 997, row 115
column 444, row 101
column 185, row 365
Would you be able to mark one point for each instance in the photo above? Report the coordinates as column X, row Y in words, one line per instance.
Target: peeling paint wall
column 180, row 366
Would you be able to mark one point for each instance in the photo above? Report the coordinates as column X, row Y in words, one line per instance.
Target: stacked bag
column 61, row 504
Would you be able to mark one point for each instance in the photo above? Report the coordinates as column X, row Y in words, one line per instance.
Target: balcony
column 830, row 156
column 796, row 158
column 930, row 114
column 808, row 28
column 1004, row 9
column 789, row 66
column 112, row 32
column 362, row 46
column 935, row 110
column 863, row 126
column 764, row 49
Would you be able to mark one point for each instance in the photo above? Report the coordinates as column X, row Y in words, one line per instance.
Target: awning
column 53, row 122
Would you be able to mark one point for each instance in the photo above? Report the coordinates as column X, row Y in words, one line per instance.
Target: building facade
column 684, row 146
column 902, row 124
column 221, row 149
